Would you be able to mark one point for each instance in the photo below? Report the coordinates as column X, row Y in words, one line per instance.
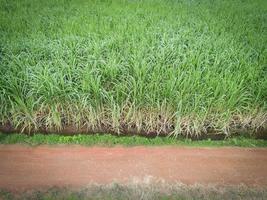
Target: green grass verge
column 175, row 66
column 154, row 191
column 111, row 140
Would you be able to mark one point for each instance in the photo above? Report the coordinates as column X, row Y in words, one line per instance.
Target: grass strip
column 111, row 140
column 141, row 191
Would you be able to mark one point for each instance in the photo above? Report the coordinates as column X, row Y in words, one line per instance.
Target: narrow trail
column 23, row 167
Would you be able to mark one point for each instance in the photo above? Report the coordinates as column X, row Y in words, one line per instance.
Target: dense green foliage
column 111, row 140
column 164, row 66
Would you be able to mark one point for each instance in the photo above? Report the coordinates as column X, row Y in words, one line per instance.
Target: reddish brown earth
column 23, row 167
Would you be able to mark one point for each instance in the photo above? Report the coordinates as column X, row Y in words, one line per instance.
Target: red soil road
column 23, row 167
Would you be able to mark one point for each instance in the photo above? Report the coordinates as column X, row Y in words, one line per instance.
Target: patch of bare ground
column 24, row 167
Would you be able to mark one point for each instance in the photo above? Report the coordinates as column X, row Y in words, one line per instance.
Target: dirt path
column 24, row 167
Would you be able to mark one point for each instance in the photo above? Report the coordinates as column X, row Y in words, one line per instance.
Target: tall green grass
column 152, row 66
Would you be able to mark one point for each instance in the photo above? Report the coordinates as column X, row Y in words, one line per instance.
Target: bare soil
column 24, row 167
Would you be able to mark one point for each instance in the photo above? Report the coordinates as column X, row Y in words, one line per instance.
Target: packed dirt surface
column 24, row 167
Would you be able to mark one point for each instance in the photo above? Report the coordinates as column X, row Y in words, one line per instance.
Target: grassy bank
column 156, row 191
column 161, row 66
column 111, row 140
